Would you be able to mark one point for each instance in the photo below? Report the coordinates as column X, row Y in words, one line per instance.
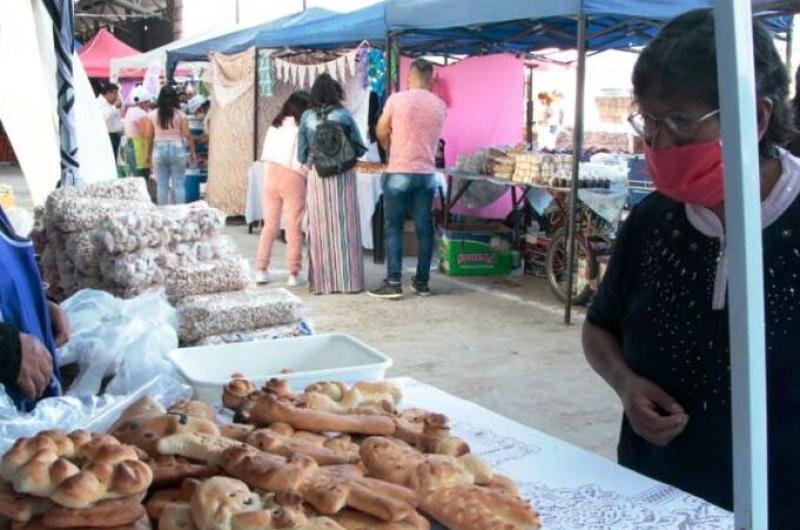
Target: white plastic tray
column 308, row 360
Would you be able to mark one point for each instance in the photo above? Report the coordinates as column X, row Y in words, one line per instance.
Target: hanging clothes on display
column 232, row 81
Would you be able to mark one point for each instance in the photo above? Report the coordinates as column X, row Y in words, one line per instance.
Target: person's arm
column 24, row 361
column 11, row 357
column 653, row 414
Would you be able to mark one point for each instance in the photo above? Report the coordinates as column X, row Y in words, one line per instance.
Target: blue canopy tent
column 447, row 18
column 240, row 40
column 485, row 26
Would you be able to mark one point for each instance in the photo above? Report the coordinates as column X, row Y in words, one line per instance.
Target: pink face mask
column 688, row 173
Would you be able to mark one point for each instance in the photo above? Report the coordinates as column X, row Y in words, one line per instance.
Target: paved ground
column 498, row 342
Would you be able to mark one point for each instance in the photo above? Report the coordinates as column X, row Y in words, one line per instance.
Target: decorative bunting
column 351, row 61
column 333, row 70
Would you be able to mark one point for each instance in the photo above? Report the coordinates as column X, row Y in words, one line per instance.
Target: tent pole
column 733, row 24
column 388, row 51
column 789, row 44
column 577, row 142
column 529, row 106
column 255, row 107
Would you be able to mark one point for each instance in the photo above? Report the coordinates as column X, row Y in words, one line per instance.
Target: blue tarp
column 457, row 27
column 352, row 28
column 240, row 40
column 442, row 14
column 486, row 26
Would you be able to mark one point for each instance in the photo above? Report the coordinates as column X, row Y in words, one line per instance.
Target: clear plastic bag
column 299, row 329
column 136, row 230
column 94, row 413
column 207, row 278
column 218, row 314
column 125, row 338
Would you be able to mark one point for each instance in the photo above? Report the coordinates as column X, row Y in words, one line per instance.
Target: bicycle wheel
column 556, row 269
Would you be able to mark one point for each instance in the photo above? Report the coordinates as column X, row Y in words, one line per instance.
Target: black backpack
column 332, row 153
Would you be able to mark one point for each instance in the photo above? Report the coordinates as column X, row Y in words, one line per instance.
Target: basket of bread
column 334, row 457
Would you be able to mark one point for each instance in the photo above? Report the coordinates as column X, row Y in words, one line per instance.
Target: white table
column 571, row 488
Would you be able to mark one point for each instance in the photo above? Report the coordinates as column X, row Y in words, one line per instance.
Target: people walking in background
column 330, row 142
column 110, row 106
column 284, row 189
column 136, row 126
column 410, row 129
column 171, row 146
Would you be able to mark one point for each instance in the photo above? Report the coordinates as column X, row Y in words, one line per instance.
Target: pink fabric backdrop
column 485, row 100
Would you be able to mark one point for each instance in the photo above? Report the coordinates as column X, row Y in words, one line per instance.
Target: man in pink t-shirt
column 409, row 130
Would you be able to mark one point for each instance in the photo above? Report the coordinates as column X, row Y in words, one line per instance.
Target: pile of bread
column 334, row 457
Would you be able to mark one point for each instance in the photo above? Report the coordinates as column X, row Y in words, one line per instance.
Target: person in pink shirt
column 410, row 129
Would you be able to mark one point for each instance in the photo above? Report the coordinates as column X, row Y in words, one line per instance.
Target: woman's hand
column 36, row 367
column 653, row 414
column 60, row 323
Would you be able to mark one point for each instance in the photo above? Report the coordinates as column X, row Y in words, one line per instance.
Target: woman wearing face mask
column 657, row 331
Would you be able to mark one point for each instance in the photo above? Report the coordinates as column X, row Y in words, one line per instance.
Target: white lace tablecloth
column 571, row 488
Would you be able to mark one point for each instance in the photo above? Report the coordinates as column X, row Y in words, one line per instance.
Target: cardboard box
column 476, row 250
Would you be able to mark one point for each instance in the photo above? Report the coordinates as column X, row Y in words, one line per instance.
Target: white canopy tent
column 28, row 102
column 158, row 56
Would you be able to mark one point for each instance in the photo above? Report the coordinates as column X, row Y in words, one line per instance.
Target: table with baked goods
column 572, row 489
column 334, row 456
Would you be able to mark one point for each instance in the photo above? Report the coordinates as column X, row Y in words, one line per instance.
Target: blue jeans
column 169, row 159
column 402, row 192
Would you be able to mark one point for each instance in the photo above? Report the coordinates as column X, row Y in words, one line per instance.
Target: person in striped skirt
column 335, row 250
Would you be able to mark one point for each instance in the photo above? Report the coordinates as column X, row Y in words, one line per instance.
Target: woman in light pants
column 172, row 146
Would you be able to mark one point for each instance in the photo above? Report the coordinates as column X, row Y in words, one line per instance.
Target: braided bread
column 271, row 409
column 462, row 493
column 338, row 398
column 283, row 440
column 75, row 470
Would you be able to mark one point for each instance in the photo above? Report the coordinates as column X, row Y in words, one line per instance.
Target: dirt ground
column 500, row 342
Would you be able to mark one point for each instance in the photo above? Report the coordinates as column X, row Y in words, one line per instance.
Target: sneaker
column 296, row 279
column 263, row 277
column 388, row 291
column 422, row 289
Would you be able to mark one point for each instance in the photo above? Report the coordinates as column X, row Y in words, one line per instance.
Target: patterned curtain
column 63, row 14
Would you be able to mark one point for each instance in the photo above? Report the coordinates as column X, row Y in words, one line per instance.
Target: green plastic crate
column 476, row 250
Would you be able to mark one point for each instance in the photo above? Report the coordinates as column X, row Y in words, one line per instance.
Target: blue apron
column 23, row 303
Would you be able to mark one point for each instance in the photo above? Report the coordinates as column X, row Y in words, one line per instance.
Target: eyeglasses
column 646, row 125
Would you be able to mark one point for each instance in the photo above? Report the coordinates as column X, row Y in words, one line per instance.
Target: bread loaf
column 146, row 432
column 18, row 507
column 38, row 524
column 169, row 470
column 353, row 520
column 340, row 399
column 203, row 447
column 104, row 514
column 470, row 507
column 111, row 470
column 331, row 489
column 265, row 471
column 270, row 441
column 271, row 409
column 159, row 500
